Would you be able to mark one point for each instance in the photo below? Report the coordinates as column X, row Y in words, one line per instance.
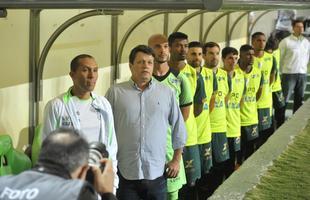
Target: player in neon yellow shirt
column 194, row 59
column 230, row 58
column 178, row 43
column 180, row 84
column 266, row 62
column 248, row 109
column 220, row 152
column 277, row 94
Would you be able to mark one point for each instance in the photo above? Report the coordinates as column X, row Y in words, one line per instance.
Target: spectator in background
column 294, row 58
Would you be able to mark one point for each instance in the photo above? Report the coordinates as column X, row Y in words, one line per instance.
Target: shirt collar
column 297, row 38
column 134, row 85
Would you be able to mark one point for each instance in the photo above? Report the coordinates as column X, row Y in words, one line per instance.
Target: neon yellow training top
column 233, row 103
column 248, row 109
column 190, row 123
column 218, row 114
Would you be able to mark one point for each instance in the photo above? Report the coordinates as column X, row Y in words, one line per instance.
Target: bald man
column 180, row 85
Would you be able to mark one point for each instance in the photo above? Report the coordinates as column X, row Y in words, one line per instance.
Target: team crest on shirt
column 189, row 75
column 254, row 76
column 65, row 121
column 221, row 78
column 174, row 81
column 207, row 77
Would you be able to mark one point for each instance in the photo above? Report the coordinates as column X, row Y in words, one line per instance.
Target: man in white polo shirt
column 295, row 53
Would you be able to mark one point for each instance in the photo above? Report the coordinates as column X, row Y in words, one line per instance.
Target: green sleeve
column 261, row 80
column 229, row 83
column 185, row 97
column 200, row 93
column 215, row 87
column 274, row 65
column 244, row 89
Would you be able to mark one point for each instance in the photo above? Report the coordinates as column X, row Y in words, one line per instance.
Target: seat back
column 12, row 161
column 5, row 147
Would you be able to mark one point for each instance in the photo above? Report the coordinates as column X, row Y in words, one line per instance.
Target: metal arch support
column 132, row 28
column 234, row 26
column 34, row 36
column 181, row 23
column 256, row 20
column 52, row 39
column 212, row 24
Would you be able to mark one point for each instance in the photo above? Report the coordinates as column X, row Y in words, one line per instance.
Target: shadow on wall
column 23, row 139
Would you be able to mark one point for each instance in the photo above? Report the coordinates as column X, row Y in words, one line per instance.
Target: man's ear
column 83, row 172
column 80, row 173
column 71, row 73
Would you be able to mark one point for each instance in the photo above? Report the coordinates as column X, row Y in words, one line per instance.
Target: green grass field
column 289, row 176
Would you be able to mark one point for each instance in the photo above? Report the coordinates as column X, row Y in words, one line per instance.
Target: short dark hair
column 76, row 61
column 229, row 50
column 256, row 34
column 295, row 21
column 65, row 147
column 140, row 48
column 209, row 45
column 272, row 43
column 194, row 44
column 245, row 48
column 176, row 35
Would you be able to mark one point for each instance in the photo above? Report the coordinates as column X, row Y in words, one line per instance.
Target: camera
column 97, row 151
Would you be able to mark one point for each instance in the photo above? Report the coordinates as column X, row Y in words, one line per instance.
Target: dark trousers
column 294, row 83
column 188, row 192
column 279, row 111
column 264, row 135
column 279, row 117
column 212, row 180
column 233, row 157
column 142, row 189
column 248, row 147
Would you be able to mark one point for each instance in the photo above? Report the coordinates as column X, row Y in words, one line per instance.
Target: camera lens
column 97, row 151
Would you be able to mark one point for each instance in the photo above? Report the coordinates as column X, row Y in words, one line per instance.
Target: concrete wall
column 92, row 36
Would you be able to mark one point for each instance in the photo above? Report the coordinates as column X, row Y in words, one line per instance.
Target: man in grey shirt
column 143, row 110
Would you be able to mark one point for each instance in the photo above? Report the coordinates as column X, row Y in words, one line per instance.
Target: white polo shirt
column 295, row 54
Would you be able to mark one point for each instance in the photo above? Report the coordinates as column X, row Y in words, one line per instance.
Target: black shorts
column 264, row 119
column 205, row 151
column 278, row 99
column 249, row 132
column 220, row 149
column 191, row 159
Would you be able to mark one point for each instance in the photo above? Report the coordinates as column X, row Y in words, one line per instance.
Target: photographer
column 60, row 173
